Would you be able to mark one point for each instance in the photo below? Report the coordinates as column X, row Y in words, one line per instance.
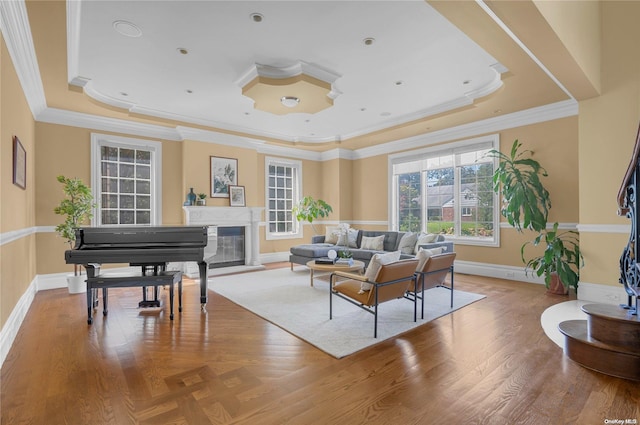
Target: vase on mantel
column 191, row 197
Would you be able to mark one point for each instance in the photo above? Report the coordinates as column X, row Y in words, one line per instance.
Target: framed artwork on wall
column 236, row 196
column 19, row 164
column 224, row 172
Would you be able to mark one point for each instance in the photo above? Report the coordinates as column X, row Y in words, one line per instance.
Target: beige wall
column 17, row 206
column 607, row 129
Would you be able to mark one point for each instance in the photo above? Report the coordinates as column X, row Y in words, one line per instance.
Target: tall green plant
column 525, row 204
column 309, row 209
column 525, row 201
column 76, row 207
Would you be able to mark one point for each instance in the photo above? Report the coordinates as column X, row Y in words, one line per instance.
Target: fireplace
column 229, row 247
column 222, row 220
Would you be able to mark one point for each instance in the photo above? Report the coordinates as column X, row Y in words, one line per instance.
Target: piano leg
column 203, row 267
column 92, row 294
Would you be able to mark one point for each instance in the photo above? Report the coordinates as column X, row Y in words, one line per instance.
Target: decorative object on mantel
column 202, row 199
column 236, row 196
column 77, row 207
column 224, row 172
column 19, row 164
column 191, row 198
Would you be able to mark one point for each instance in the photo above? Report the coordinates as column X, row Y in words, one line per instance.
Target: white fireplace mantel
column 249, row 217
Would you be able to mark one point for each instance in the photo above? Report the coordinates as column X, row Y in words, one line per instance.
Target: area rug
column 285, row 298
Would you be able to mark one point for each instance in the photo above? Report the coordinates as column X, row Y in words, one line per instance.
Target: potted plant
column 202, row 199
column 525, row 205
column 76, row 207
column 309, row 209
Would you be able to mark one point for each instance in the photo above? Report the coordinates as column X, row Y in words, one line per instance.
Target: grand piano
column 152, row 246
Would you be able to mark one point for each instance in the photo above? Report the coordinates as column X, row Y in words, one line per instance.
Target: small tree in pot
column 309, row 209
column 525, row 205
column 76, row 207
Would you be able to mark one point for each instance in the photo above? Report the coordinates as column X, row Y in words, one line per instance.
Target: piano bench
column 123, row 281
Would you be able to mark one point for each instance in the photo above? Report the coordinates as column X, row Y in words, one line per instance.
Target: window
column 283, row 183
column 125, row 176
column 447, row 190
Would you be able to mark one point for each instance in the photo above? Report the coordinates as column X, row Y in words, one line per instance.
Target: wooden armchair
column 391, row 282
column 431, row 275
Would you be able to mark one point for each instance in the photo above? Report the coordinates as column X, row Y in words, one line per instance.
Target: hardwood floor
column 488, row 363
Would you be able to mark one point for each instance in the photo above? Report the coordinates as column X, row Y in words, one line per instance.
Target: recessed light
column 127, row 29
column 182, row 51
column 189, row 91
column 466, row 82
column 124, row 94
column 256, row 17
column 289, row 101
column 368, row 41
column 363, row 109
column 399, row 83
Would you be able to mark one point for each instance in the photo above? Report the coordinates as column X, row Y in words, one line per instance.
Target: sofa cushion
column 377, row 261
column 331, row 234
column 423, row 255
column 315, row 250
column 424, row 238
column 373, row 242
column 408, row 242
column 390, row 238
column 351, row 239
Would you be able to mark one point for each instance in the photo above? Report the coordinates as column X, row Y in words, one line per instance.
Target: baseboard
column 274, row 257
column 497, row 271
column 51, row 281
column 12, row 326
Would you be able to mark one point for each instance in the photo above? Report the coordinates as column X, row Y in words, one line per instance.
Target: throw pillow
column 424, row 254
column 352, row 236
column 377, row 261
column 408, row 243
column 424, row 238
column 331, row 235
column 375, row 243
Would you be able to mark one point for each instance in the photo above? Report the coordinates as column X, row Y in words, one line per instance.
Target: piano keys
column 141, row 246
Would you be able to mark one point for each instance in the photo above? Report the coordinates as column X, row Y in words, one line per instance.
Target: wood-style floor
column 488, row 363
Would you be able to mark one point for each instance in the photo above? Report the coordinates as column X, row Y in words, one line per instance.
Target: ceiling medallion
column 279, row 90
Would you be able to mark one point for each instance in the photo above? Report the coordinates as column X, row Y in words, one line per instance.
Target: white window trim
column 270, row 160
column 98, row 140
column 413, row 155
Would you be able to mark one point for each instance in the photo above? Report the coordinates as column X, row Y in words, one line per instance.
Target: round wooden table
column 357, row 266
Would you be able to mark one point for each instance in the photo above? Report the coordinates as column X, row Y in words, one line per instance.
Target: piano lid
column 141, row 236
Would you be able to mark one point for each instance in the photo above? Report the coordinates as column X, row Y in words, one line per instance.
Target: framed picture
column 236, row 196
column 224, row 172
column 19, row 164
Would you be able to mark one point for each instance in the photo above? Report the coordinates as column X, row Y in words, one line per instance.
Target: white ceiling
column 419, row 64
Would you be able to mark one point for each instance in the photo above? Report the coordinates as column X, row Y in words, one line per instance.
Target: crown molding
column 95, row 122
column 535, row 115
column 14, row 24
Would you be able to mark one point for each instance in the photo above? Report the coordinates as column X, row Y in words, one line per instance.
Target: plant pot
column 77, row 284
column 201, row 202
column 556, row 287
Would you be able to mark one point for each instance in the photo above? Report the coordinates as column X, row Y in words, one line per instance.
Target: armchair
column 391, row 282
column 432, row 274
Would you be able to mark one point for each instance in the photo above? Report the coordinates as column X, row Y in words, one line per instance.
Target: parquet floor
column 488, row 363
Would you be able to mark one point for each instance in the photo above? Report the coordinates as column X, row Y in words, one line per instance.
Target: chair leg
column 330, row 297
column 451, row 287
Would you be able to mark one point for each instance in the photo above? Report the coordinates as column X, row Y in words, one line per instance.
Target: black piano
column 141, row 246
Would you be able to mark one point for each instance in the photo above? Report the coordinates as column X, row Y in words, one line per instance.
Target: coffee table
column 357, row 266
